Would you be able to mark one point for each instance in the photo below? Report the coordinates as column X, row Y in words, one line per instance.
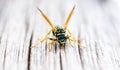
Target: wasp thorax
column 59, row 31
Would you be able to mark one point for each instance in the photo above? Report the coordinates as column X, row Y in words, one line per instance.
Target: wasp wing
column 68, row 18
column 47, row 19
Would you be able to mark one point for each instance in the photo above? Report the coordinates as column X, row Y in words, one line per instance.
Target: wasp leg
column 80, row 45
column 41, row 40
column 70, row 43
column 51, row 43
column 35, row 45
column 75, row 40
column 70, row 35
column 46, row 37
column 63, row 48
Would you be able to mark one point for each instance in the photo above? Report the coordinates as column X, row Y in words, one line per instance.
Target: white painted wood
column 96, row 21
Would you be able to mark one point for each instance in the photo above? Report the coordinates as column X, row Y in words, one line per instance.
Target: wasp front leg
column 70, row 35
column 46, row 37
column 51, row 43
column 72, row 38
column 41, row 40
column 75, row 40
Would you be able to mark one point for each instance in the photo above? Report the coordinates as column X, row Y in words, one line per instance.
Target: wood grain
column 95, row 21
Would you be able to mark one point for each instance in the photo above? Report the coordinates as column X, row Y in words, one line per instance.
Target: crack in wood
column 96, row 49
column 80, row 54
column 4, row 58
column 97, row 54
column 29, row 53
column 56, row 47
column 5, row 55
column 61, row 67
column 46, row 49
column 18, row 55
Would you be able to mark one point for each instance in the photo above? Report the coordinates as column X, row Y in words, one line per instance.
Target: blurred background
column 95, row 21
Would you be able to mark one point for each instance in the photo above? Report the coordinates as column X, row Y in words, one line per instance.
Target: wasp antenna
column 47, row 19
column 68, row 18
column 39, row 10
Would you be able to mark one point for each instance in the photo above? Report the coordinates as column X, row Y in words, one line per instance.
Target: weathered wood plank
column 96, row 21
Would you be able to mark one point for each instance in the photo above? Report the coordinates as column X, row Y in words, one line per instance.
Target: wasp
column 59, row 32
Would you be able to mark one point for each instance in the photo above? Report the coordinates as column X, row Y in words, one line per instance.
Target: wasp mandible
column 59, row 32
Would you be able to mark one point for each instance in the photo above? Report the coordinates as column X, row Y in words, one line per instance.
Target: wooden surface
column 96, row 21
